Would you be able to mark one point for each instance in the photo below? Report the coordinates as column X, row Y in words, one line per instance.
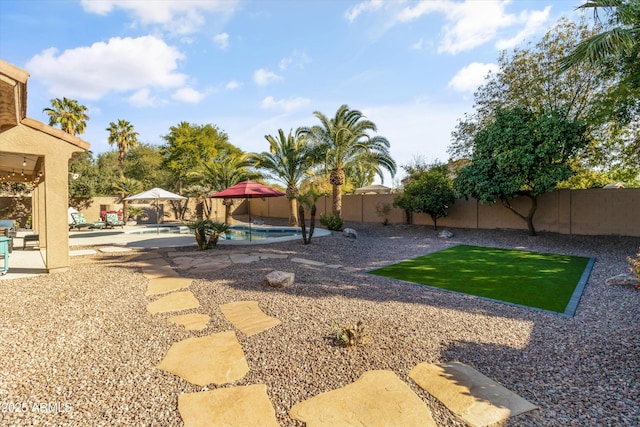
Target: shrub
column 207, row 232
column 332, row 222
column 349, row 336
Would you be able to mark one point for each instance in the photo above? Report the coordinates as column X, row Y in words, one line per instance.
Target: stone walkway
column 376, row 398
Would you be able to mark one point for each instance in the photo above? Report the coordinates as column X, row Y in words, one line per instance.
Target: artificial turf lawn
column 533, row 279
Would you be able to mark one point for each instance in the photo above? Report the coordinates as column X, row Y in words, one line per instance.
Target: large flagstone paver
column 248, row 317
column 191, row 321
column 213, row 359
column 158, row 271
column 175, row 301
column 240, row 406
column 163, row 285
column 476, row 399
column 377, row 398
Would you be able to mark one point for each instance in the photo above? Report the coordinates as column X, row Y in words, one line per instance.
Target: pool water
column 243, row 232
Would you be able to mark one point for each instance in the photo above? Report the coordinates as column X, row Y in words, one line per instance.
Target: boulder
column 621, row 280
column 279, row 279
column 446, row 234
column 350, row 232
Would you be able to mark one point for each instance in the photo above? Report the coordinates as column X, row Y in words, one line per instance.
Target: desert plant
column 349, row 336
column 207, row 232
column 332, row 222
column 134, row 212
column 635, row 268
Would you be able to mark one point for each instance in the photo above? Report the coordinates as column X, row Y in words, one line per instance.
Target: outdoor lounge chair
column 113, row 221
column 79, row 222
column 8, row 229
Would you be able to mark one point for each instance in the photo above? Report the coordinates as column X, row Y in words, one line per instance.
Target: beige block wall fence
column 585, row 212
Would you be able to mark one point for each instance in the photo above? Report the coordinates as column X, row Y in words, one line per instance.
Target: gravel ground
column 79, row 349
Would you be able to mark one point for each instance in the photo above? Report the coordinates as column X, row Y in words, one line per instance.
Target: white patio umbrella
column 156, row 194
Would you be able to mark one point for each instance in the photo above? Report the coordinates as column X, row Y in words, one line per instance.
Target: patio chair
column 79, row 222
column 8, row 229
column 113, row 221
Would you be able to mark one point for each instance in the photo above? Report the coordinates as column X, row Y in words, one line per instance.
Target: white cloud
column 176, row 16
column 264, row 77
column 361, row 7
column 120, row 65
column 188, row 95
column 222, row 40
column 418, row 45
column 233, row 85
column 469, row 78
column 534, row 22
column 297, row 58
column 143, row 98
column 287, row 105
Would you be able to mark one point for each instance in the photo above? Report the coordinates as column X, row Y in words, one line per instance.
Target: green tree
column 522, row 153
column 343, row 141
column 109, row 172
column 188, row 147
column 68, row 114
column 123, row 135
column 287, row 161
column 530, row 78
column 85, row 176
column 145, row 163
column 428, row 189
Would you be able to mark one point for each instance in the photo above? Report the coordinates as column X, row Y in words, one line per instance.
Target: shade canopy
column 247, row 189
column 156, row 193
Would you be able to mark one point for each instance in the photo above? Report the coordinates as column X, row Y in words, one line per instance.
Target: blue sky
column 253, row 67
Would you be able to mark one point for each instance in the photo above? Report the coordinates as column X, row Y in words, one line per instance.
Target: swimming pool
column 239, row 234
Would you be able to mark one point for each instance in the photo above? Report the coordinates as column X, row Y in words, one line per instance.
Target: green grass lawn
column 533, row 279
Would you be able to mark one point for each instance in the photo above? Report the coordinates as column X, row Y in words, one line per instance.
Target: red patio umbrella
column 247, row 190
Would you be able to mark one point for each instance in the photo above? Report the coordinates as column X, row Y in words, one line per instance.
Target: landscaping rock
column 621, row 280
column 279, row 279
column 350, row 232
column 446, row 234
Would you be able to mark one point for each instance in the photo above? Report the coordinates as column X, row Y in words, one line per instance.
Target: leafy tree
column 522, row 153
column 427, row 189
column 145, row 163
column 530, row 78
column 68, row 114
column 109, row 172
column 188, row 147
column 85, row 176
column 288, row 161
column 343, row 141
column 123, row 135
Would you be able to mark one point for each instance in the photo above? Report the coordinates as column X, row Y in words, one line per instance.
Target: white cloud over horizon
column 91, row 72
column 264, row 77
column 287, row 105
column 221, row 40
column 188, row 95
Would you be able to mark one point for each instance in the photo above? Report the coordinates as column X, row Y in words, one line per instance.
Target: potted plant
column 207, row 232
column 134, row 212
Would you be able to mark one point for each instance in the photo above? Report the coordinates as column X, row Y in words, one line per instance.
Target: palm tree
column 288, row 161
column 621, row 39
column 226, row 170
column 123, row 135
column 68, row 114
column 344, row 141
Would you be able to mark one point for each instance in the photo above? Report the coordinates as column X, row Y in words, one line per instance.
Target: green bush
column 207, row 232
column 332, row 222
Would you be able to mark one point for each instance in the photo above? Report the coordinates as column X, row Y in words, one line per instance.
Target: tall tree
column 343, row 141
column 288, row 161
column 189, row 146
column 522, row 153
column 530, row 78
column 145, row 164
column 68, row 114
column 123, row 135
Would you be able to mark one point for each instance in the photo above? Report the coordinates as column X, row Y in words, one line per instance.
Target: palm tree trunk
column 293, row 208
column 337, row 200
